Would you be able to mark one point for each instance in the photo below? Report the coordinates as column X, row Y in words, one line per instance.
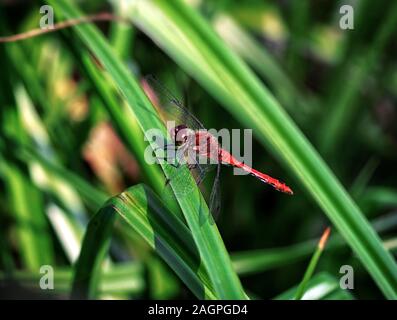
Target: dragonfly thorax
column 180, row 134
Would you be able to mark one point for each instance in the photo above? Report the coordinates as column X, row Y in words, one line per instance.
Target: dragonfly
column 193, row 146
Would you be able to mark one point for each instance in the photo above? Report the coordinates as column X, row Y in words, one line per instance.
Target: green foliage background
column 77, row 194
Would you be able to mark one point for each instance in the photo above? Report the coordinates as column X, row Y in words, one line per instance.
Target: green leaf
column 206, row 236
column 143, row 211
column 342, row 104
column 260, row 260
column 31, row 226
column 120, row 278
column 321, row 287
column 264, row 63
column 27, row 203
column 312, row 265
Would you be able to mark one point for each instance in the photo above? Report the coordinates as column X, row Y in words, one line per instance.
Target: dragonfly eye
column 179, row 134
column 180, row 127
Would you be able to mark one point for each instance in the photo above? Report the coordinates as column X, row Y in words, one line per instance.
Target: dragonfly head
column 179, row 134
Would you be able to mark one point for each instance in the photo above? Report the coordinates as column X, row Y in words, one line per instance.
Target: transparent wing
column 171, row 108
column 215, row 197
column 214, row 201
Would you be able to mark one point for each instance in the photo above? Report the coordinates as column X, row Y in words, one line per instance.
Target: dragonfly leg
column 174, row 157
column 165, row 148
column 201, row 175
column 175, row 165
column 215, row 202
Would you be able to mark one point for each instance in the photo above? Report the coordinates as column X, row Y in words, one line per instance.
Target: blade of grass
column 262, row 61
column 299, row 17
column 121, row 35
column 31, row 227
column 143, row 211
column 36, row 129
column 254, row 261
column 321, row 287
column 377, row 198
column 120, row 278
column 342, row 104
column 93, row 197
column 312, row 265
column 27, row 203
column 207, row 238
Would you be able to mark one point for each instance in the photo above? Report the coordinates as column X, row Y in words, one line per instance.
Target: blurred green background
column 69, row 142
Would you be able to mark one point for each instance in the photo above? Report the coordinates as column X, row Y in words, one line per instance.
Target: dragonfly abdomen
column 276, row 184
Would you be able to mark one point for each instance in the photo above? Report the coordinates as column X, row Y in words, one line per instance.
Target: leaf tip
column 324, row 238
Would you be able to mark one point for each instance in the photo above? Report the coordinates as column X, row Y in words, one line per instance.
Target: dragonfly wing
column 215, row 199
column 171, row 107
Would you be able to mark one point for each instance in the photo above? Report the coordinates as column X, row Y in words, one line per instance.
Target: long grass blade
column 207, row 238
column 145, row 214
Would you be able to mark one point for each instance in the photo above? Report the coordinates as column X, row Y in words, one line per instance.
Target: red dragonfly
column 192, row 145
